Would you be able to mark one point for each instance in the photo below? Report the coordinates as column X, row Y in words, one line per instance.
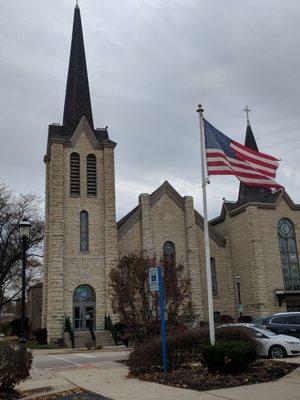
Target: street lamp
column 237, row 278
column 24, row 226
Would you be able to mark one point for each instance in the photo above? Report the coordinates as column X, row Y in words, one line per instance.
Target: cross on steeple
column 247, row 110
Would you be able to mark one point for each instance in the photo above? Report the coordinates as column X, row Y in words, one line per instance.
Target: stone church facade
column 256, row 237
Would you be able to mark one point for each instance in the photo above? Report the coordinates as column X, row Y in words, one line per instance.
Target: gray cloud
column 150, row 63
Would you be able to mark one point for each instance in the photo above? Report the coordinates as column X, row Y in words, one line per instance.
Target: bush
column 228, row 357
column 245, row 318
column 15, row 326
column 225, row 319
column 183, row 348
column 236, row 334
column 15, row 364
column 5, row 328
column 40, row 335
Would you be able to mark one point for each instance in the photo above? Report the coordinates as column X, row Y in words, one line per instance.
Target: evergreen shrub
column 229, row 357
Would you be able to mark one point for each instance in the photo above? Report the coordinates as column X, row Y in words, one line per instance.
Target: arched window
column 84, row 231
column 169, row 252
column 91, row 171
column 84, row 294
column 74, row 174
column 169, row 257
column 289, row 255
column 214, row 281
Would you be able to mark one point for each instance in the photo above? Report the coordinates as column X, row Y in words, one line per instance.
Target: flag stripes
column 227, row 157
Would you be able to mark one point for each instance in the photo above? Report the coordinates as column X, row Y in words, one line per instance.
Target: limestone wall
column 255, row 254
column 66, row 267
column 171, row 219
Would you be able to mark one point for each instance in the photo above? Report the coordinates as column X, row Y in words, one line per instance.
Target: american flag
column 228, row 157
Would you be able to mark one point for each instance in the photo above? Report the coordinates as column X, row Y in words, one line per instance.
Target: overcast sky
column 150, row 63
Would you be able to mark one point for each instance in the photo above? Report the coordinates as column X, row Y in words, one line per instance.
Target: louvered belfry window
column 74, row 174
column 91, row 166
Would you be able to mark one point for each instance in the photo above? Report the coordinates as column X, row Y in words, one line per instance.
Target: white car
column 273, row 345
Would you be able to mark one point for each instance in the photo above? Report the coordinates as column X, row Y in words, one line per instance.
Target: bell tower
column 80, row 227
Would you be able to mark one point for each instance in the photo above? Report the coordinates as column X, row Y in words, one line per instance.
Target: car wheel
column 277, row 352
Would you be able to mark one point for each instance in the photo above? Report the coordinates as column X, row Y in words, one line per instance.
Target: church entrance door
column 84, row 308
column 84, row 316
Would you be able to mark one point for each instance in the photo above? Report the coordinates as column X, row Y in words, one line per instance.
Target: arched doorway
column 84, row 303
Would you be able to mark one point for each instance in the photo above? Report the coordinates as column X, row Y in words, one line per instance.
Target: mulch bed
column 73, row 394
column 199, row 378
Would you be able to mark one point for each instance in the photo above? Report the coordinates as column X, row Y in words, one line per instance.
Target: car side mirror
column 259, row 335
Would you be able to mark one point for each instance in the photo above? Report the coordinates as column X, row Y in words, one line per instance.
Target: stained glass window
column 169, row 251
column 214, row 282
column 84, row 293
column 169, row 256
column 289, row 255
column 84, row 231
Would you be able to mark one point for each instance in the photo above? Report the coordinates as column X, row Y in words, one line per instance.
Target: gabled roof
column 129, row 219
column 271, row 201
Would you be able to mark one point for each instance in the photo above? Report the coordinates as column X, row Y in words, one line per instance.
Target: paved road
column 75, row 360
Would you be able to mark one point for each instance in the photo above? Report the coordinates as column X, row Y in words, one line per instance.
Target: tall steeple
column 77, row 100
column 251, row 193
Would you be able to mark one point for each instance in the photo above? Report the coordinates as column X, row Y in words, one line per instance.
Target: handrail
column 109, row 326
column 68, row 328
column 92, row 333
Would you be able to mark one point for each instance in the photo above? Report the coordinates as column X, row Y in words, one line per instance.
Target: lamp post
column 237, row 278
column 24, row 233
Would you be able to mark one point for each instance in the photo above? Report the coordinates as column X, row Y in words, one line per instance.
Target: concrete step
column 83, row 339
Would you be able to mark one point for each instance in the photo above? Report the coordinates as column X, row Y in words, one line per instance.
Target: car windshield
column 266, row 332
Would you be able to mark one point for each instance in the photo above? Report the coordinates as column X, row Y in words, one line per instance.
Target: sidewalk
column 44, row 382
column 110, row 380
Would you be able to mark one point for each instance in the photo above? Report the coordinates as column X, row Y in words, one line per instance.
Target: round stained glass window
column 285, row 228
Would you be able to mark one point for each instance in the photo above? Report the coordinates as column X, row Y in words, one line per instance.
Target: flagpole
column 200, row 110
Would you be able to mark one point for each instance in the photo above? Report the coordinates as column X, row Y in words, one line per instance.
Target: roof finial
column 77, row 3
column 247, row 110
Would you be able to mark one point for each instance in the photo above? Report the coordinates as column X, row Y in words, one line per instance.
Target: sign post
column 156, row 285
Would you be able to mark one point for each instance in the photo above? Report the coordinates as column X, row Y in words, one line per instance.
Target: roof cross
column 247, row 110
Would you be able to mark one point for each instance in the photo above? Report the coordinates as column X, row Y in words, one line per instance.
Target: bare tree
column 137, row 307
column 13, row 208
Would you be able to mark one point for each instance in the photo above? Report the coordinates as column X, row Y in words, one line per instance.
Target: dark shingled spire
column 251, row 193
column 77, row 101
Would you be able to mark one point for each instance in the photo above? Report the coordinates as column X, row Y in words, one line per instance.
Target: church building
column 254, row 240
